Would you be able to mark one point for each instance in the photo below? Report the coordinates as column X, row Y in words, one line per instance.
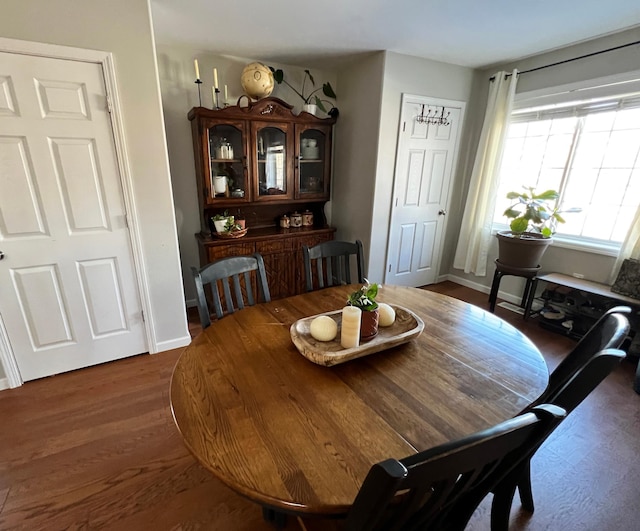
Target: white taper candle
column 215, row 78
column 350, row 334
column 195, row 64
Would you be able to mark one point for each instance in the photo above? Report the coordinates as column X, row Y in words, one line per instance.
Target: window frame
column 598, row 89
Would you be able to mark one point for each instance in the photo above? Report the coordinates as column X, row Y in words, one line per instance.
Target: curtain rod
column 572, row 59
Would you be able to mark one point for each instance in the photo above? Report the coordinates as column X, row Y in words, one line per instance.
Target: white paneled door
column 424, row 169
column 68, row 290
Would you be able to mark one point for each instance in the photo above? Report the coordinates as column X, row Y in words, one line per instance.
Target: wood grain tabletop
column 300, row 437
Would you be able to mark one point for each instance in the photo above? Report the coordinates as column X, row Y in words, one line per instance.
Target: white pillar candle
column 195, row 64
column 350, row 335
column 215, row 78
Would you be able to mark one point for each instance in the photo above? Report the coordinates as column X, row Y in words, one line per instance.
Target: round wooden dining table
column 297, row 437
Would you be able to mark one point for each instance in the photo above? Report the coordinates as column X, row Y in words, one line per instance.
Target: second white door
column 424, row 168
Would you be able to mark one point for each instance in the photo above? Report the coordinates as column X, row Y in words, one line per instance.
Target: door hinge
column 109, row 105
column 396, row 201
column 389, row 268
column 142, row 314
column 404, row 126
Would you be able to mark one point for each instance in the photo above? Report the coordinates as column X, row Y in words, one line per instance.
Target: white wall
column 355, row 150
column 179, row 95
column 593, row 266
column 123, row 27
column 368, row 137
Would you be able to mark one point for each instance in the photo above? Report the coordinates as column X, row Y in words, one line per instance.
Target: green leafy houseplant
column 312, row 97
column 365, row 297
column 535, row 212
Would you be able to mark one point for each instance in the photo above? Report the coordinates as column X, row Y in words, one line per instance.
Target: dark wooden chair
column 440, row 488
column 566, row 392
column 332, row 263
column 225, row 272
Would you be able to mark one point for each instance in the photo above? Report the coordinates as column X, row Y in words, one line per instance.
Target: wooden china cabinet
column 259, row 163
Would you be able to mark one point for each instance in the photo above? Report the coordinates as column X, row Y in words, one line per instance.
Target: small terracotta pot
column 369, row 325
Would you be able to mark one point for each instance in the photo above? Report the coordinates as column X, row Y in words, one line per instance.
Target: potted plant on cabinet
column 311, row 100
column 220, row 221
column 534, row 217
column 365, row 299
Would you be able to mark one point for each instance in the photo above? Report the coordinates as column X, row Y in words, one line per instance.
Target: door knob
column 1, row 255
column 442, row 213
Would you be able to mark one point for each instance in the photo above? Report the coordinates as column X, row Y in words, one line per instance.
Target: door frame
column 106, row 62
column 439, row 102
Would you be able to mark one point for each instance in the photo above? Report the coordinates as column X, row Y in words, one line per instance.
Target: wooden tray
column 229, row 235
column 406, row 327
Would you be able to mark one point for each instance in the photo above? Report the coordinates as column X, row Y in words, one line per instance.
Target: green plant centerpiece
column 534, row 218
column 313, row 97
column 365, row 299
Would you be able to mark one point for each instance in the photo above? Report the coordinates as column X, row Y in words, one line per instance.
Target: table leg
column 275, row 518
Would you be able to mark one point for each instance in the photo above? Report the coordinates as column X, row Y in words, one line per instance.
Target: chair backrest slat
column 332, row 263
column 225, row 271
column 608, row 332
column 441, row 487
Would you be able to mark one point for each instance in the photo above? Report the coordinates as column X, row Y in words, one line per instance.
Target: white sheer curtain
column 475, row 232
column 630, row 247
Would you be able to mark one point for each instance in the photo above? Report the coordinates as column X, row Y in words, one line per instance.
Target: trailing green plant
column 231, row 225
column 220, row 217
column 533, row 212
column 365, row 297
column 312, row 97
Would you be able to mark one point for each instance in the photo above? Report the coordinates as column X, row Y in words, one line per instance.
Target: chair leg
column 493, row 296
column 501, row 506
column 524, row 488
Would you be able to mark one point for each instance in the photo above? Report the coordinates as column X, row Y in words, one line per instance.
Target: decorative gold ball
column 257, row 81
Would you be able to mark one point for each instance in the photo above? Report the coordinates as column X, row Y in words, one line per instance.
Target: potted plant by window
column 365, row 299
column 311, row 100
column 534, row 217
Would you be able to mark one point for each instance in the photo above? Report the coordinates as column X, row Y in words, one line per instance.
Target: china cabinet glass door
column 272, row 161
column 227, row 175
column 313, row 166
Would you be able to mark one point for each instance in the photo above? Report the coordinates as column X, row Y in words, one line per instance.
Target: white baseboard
column 174, row 343
column 504, row 295
column 4, row 384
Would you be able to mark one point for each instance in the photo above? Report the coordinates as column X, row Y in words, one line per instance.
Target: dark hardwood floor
column 97, row 449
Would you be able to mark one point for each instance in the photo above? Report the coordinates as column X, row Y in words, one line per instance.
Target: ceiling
column 324, row 33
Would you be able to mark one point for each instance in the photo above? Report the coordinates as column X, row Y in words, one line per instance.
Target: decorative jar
column 307, row 218
column 285, row 222
column 296, row 219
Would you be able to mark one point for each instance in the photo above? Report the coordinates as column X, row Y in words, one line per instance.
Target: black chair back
column 225, row 272
column 441, row 487
column 608, row 332
column 568, row 396
column 332, row 263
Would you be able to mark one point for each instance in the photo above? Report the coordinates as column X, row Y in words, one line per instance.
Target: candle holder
column 217, row 93
column 198, row 83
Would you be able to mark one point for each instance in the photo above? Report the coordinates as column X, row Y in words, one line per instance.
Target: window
column 587, row 150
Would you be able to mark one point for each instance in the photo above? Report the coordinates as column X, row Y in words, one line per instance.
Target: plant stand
column 530, row 273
